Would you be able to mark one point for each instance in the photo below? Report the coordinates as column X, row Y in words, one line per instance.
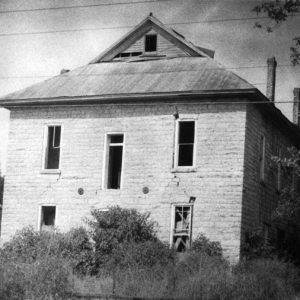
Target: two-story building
column 153, row 123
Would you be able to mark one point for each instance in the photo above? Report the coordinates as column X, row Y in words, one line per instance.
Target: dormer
column 151, row 40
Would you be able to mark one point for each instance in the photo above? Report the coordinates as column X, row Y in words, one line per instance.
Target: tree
column 288, row 207
column 278, row 11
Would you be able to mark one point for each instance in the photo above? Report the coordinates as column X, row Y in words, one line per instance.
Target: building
column 152, row 123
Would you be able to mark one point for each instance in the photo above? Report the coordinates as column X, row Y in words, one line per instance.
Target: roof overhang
column 125, row 98
column 247, row 96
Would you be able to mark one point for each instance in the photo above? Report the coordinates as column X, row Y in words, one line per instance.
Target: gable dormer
column 151, row 39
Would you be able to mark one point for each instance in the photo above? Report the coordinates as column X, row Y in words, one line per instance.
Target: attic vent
column 150, row 43
column 128, row 54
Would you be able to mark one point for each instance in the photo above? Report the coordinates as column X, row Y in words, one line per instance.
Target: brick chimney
column 296, row 112
column 271, row 78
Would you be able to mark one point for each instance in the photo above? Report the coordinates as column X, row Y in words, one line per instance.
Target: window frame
column 45, row 148
column 172, row 228
column 106, row 160
column 40, row 210
column 145, row 39
column 176, row 150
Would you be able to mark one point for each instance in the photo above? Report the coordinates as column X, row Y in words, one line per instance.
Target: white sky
column 237, row 43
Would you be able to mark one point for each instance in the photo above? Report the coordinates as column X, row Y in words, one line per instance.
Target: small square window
column 151, row 43
column 48, row 217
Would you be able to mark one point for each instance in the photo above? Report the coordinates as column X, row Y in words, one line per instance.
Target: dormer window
column 151, row 43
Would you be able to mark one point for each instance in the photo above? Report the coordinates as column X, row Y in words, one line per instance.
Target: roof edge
column 112, row 98
column 143, row 25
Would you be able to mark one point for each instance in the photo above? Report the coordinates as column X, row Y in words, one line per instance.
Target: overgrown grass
column 43, row 265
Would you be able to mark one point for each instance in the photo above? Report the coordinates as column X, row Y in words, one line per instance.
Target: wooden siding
column 164, row 47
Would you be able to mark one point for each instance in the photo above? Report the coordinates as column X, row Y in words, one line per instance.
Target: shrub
column 144, row 254
column 204, row 245
column 49, row 276
column 29, row 245
column 117, row 226
column 12, row 282
column 42, row 279
column 200, row 276
column 265, row 279
column 256, row 246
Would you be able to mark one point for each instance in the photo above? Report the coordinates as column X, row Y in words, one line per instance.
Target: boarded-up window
column 48, row 217
column 53, row 147
column 151, row 43
column 181, row 235
column 185, row 143
column 114, row 160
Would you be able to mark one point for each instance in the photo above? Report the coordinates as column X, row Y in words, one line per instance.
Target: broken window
column 185, row 143
column 53, row 147
column 48, row 217
column 262, row 157
column 150, row 43
column 114, row 160
column 181, row 238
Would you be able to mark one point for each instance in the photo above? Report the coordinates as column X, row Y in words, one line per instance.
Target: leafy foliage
column 204, row 245
column 29, row 246
column 288, row 207
column 111, row 230
column 279, row 11
column 255, row 246
column 47, row 278
column 144, row 254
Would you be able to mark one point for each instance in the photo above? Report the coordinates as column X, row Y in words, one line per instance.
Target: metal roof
column 181, row 74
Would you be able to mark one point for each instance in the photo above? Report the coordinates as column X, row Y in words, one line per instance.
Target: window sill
column 51, row 171
column 183, row 170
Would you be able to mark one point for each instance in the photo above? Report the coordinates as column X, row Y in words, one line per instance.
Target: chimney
column 271, row 78
column 296, row 113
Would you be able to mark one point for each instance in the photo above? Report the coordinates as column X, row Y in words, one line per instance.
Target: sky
column 76, row 35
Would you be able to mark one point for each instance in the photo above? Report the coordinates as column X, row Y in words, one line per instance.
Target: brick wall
column 148, row 154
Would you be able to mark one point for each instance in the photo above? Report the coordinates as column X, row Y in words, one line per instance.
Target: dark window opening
column 151, row 43
column 186, row 137
column 48, row 217
column 53, row 147
column 136, row 53
column 115, row 155
column 182, row 228
column 128, row 54
column 125, row 54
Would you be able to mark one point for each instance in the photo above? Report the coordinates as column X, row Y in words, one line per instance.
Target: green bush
column 29, row 245
column 144, row 254
column 200, row 276
column 115, row 227
column 43, row 279
column 202, row 244
column 256, row 246
column 12, row 281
